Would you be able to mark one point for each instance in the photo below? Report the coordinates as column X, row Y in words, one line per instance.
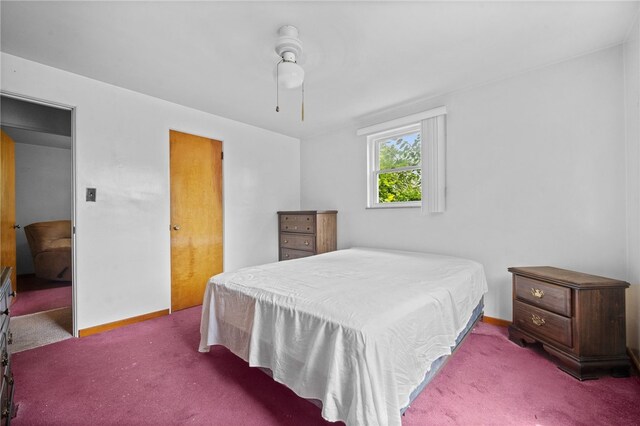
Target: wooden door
column 8, row 205
column 196, row 216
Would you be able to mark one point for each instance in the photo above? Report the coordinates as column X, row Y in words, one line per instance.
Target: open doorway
column 41, row 135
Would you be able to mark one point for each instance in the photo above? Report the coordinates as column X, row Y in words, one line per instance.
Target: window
column 395, row 167
column 406, row 161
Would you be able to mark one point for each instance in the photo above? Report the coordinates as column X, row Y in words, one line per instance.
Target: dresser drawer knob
column 306, row 243
column 12, row 294
column 10, row 338
column 286, row 255
column 536, row 292
column 537, row 320
column 5, row 358
column 5, row 312
column 286, row 241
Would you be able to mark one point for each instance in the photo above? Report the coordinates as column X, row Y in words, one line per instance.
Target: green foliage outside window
column 400, row 186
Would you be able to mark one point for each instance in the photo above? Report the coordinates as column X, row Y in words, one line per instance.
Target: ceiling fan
column 289, row 74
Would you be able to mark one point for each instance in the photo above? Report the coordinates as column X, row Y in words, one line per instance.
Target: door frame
column 224, row 221
column 72, row 109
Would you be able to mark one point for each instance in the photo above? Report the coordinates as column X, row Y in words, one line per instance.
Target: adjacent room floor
column 41, row 313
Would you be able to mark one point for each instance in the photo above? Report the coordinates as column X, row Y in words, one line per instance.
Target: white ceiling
column 360, row 57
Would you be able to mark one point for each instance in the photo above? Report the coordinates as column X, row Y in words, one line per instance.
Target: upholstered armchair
column 50, row 245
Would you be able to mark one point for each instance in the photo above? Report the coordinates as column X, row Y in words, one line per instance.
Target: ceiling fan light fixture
column 289, row 74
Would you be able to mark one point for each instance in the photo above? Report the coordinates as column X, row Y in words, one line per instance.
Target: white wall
column 632, row 115
column 43, row 192
column 535, row 176
column 122, row 149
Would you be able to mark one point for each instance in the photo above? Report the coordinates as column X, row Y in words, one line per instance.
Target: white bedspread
column 356, row 329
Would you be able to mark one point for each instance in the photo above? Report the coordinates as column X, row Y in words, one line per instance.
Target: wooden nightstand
column 305, row 233
column 578, row 318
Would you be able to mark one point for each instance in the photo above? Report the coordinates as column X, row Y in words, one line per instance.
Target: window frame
column 373, row 165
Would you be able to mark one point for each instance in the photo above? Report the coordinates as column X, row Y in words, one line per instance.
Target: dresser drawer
column 6, row 370
column 4, row 322
column 4, row 351
column 542, row 323
column 4, row 331
column 298, row 242
column 6, row 399
column 303, row 223
column 5, row 293
column 544, row 295
column 288, row 254
column 301, row 228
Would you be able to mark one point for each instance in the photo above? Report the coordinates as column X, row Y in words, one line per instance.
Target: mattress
column 355, row 329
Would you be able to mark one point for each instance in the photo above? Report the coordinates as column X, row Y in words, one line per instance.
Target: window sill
column 392, row 206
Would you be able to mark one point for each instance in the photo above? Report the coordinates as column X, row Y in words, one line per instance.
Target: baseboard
column 496, row 321
column 634, row 360
column 116, row 324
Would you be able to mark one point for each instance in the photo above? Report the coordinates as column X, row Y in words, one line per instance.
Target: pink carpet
column 37, row 295
column 492, row 381
column 151, row 373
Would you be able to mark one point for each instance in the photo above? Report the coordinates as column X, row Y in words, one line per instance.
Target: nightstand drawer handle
column 536, row 292
column 537, row 320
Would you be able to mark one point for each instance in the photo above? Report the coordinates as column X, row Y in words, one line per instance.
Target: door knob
column 16, row 226
column 176, row 227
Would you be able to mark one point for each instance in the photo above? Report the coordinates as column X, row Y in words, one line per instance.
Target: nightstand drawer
column 544, row 295
column 288, row 254
column 298, row 242
column 542, row 323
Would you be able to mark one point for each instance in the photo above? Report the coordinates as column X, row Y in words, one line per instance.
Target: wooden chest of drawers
column 6, row 396
column 305, row 233
column 578, row 318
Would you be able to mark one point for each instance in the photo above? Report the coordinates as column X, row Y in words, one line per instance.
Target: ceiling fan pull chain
column 277, row 84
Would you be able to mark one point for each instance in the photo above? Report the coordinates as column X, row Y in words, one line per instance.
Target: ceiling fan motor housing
column 288, row 46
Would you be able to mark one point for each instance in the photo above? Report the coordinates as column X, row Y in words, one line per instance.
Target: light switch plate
column 91, row 194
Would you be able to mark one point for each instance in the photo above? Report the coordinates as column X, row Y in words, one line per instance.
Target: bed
column 361, row 330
